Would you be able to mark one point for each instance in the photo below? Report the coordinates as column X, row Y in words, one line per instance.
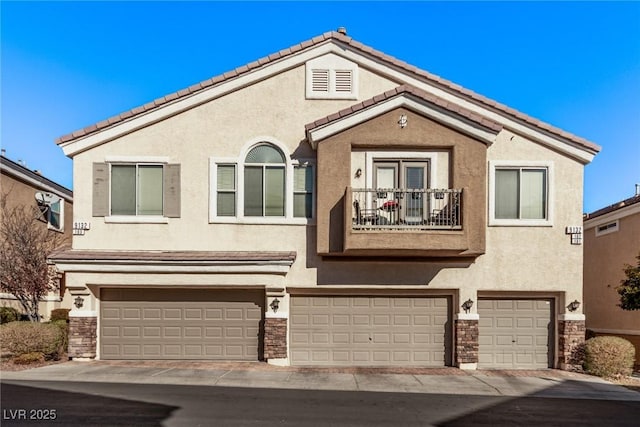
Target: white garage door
column 370, row 331
column 180, row 324
column 515, row 333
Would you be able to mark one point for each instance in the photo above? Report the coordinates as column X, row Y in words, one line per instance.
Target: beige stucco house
column 327, row 205
column 611, row 241
column 52, row 203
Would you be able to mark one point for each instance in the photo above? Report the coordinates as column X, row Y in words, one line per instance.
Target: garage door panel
column 515, row 333
column 372, row 331
column 198, row 324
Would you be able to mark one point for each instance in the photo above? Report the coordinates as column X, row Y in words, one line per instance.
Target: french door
column 400, row 190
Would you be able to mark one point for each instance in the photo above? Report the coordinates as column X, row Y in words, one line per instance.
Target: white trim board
column 363, row 60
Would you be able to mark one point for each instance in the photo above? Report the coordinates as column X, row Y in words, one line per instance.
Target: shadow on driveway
column 552, row 407
column 77, row 409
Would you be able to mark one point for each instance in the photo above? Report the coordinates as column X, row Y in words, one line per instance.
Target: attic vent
column 344, row 81
column 320, row 80
column 331, row 77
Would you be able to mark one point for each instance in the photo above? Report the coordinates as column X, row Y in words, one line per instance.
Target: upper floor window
column 263, row 187
column 136, row 189
column 331, row 77
column 520, row 194
column 55, row 215
column 128, row 190
column 264, row 182
column 52, row 208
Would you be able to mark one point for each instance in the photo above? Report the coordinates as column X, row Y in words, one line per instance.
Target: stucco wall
column 534, row 259
column 605, row 257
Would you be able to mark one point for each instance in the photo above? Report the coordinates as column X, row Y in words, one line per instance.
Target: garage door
column 515, row 333
column 180, row 324
column 370, row 331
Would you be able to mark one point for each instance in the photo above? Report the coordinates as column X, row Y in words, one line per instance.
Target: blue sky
column 66, row 65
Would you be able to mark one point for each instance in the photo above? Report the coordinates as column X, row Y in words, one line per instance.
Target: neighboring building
column 327, row 205
column 23, row 187
column 611, row 241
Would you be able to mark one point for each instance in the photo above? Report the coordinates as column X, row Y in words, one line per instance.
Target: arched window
column 264, row 181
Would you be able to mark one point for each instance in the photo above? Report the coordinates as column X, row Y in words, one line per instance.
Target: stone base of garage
column 571, row 336
column 275, row 338
column 82, row 337
column 466, row 343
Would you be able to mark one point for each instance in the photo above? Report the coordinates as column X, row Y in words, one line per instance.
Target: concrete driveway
column 546, row 383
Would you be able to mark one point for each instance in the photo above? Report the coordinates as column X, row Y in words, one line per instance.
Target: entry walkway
column 546, row 383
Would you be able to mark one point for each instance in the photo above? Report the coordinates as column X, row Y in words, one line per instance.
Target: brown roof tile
column 614, row 207
column 432, row 78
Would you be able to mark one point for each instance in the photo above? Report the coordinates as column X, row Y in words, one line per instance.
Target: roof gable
column 414, row 99
column 340, row 44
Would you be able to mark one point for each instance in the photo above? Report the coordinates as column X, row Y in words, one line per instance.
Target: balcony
column 400, row 222
column 398, row 209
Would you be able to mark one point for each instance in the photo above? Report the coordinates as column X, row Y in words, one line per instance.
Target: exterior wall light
column 78, row 302
column 467, row 305
column 275, row 305
column 573, row 306
column 359, row 173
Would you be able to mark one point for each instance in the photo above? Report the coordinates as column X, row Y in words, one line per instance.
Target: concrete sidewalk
column 547, row 383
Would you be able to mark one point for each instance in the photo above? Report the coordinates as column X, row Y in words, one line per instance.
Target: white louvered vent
column 320, row 80
column 344, row 81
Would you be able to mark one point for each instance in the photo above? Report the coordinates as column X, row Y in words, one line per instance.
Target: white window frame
column 371, row 157
column 135, row 160
column 331, row 63
column 615, row 227
column 49, row 225
column 550, row 202
column 240, row 218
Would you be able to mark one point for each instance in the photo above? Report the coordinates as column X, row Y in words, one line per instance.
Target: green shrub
column 31, row 337
column 8, row 314
column 609, row 357
column 28, row 358
column 64, row 331
column 60, row 314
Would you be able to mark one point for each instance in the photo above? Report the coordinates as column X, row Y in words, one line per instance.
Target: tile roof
column 409, row 90
column 366, row 50
column 172, row 256
column 612, row 208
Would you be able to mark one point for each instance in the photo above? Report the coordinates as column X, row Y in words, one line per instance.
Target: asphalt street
column 85, row 403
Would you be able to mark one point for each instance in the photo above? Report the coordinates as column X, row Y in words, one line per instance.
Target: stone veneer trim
column 275, row 338
column 466, row 342
column 82, row 337
column 571, row 336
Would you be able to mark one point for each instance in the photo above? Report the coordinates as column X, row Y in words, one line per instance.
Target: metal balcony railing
column 406, row 209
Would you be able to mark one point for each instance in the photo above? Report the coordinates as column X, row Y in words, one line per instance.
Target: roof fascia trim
column 619, row 213
column 583, row 154
column 180, row 105
column 36, row 183
column 145, row 266
column 75, row 146
column 424, row 108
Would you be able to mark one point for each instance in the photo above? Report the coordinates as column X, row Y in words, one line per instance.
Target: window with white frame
column 264, row 182
column 136, row 189
column 55, row 215
column 226, row 190
column 302, row 191
column 520, row 194
column 263, row 186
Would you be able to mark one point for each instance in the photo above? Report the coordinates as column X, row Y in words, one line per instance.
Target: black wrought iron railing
column 406, row 209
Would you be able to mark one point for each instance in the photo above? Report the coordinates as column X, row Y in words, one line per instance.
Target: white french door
column 400, row 190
